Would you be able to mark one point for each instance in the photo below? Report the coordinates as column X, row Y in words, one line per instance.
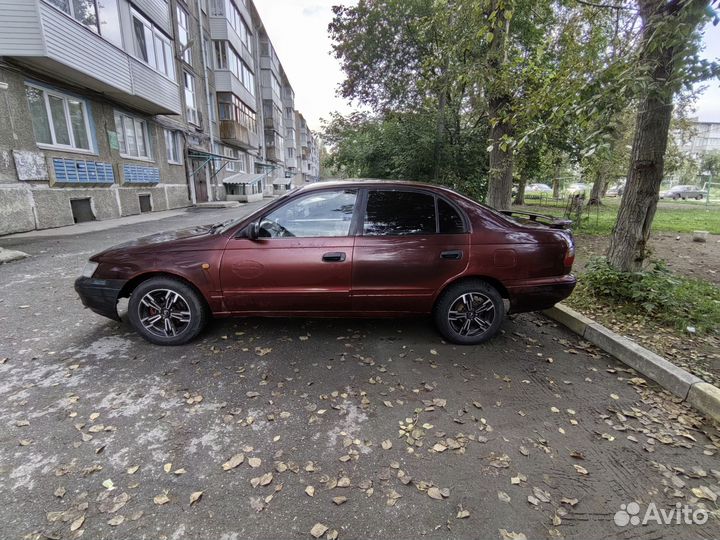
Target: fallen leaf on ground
column 161, row 499
column 507, row 535
column 195, row 497
column 116, row 520
column 75, row 525
column 233, row 462
column 318, row 530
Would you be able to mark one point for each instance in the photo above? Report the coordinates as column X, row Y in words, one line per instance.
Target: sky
column 707, row 107
column 298, row 29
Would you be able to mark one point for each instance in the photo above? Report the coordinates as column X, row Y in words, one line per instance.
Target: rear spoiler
column 542, row 219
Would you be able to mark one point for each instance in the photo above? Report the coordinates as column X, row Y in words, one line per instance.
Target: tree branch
column 604, row 6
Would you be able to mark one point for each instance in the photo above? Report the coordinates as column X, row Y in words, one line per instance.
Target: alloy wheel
column 471, row 314
column 164, row 313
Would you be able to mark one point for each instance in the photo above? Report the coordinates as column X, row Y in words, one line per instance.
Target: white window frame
column 66, row 109
column 231, row 154
column 184, row 27
column 191, row 113
column 172, row 147
column 144, row 130
column 168, row 54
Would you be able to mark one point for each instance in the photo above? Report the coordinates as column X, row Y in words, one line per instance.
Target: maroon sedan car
column 340, row 249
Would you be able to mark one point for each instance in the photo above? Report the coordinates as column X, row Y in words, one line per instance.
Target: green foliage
column 401, row 146
column 672, row 217
column 670, row 299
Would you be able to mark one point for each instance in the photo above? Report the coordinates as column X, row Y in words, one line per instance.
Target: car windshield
column 224, row 226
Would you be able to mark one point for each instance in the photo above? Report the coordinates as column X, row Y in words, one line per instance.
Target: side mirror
column 253, row 230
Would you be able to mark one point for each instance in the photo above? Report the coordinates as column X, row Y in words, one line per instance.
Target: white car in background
column 577, row 189
column 538, row 190
column 683, row 192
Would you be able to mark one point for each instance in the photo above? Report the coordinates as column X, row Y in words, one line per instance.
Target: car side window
column 321, row 214
column 448, row 218
column 399, row 213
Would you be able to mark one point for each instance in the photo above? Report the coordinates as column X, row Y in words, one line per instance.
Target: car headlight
column 89, row 269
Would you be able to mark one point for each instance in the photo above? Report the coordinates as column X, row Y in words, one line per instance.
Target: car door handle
column 454, row 254
column 334, row 256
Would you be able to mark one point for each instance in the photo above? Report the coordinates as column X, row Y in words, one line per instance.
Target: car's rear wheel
column 469, row 312
column 166, row 311
column 699, row 197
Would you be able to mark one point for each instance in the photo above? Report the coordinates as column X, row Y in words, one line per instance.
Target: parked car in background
column 615, row 191
column 340, row 249
column 683, row 192
column 537, row 190
column 576, row 189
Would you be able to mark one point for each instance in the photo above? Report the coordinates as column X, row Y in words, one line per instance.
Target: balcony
column 236, row 134
column 273, row 153
column 274, row 122
column 47, row 40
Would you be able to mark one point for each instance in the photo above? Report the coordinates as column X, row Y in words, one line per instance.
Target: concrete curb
column 701, row 395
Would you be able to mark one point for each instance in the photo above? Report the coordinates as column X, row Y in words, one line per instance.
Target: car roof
column 372, row 182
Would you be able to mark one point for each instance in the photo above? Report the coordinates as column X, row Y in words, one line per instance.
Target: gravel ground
column 535, row 433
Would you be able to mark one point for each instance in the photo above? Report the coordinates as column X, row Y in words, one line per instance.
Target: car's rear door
column 300, row 263
column 410, row 242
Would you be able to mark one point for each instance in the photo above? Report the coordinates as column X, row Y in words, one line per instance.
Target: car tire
column 699, row 197
column 451, row 306
column 181, row 311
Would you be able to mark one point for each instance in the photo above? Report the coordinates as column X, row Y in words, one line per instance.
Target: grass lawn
column 671, row 216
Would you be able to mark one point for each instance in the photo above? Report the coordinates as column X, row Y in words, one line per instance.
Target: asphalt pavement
column 280, row 428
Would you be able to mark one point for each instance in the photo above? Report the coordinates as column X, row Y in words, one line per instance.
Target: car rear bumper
column 539, row 294
column 100, row 295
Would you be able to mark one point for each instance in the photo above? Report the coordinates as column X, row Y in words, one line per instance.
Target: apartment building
column 308, row 152
column 702, row 138
column 116, row 107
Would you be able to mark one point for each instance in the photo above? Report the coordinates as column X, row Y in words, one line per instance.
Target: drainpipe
column 213, row 178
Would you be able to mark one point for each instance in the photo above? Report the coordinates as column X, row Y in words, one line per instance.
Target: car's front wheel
column 166, row 311
column 469, row 313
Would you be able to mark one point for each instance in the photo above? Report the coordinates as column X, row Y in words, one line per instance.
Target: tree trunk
column 439, row 134
column 600, row 184
column 520, row 195
column 556, row 179
column 499, row 195
column 647, row 161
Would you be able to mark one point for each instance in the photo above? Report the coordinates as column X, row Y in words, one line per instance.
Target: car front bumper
column 539, row 294
column 100, row 295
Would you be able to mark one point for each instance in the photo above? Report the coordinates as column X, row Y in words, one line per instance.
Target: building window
column 213, row 107
column 232, row 108
column 58, row 120
column 227, row 58
column 221, row 55
column 184, row 34
column 230, row 153
column 190, row 104
column 133, row 136
column 172, row 147
column 274, row 83
column 152, row 46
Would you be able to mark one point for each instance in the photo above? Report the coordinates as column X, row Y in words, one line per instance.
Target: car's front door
column 301, row 261
column 410, row 243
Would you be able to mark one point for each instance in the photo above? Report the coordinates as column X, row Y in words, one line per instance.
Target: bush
column 668, row 298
